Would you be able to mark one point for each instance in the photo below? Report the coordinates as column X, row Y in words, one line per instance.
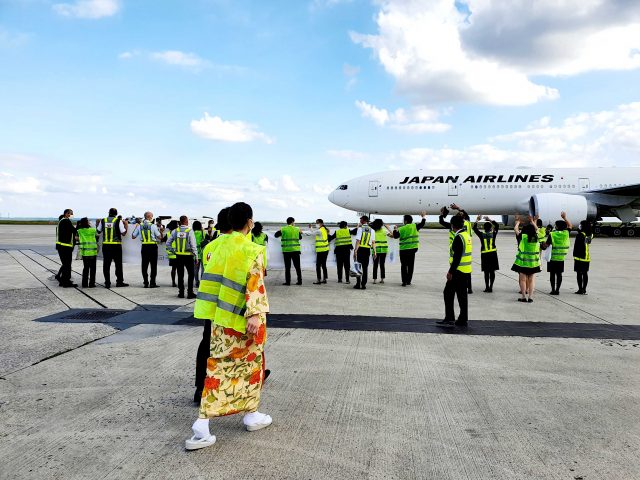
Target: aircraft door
column 584, row 184
column 453, row 189
column 374, row 186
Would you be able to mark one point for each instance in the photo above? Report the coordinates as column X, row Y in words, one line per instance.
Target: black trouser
column 343, row 259
column 379, row 260
column 407, row 261
column 66, row 258
column 89, row 271
column 456, row 286
column 288, row 258
column 204, row 352
column 363, row 257
column 321, row 265
column 185, row 261
column 112, row 253
column 149, row 257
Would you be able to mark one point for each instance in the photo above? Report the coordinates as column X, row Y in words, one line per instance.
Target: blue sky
column 187, row 106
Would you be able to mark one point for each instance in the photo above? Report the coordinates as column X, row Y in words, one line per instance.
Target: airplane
column 583, row 193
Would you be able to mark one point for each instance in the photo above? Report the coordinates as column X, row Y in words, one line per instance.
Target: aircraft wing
column 626, row 191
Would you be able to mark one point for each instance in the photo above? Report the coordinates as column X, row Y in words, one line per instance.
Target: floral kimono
column 235, row 368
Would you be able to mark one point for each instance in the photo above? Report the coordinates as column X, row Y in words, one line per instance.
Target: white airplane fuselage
column 585, row 192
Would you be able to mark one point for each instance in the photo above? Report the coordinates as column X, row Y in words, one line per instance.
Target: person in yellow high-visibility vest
column 233, row 297
column 527, row 262
column 409, row 244
column 322, row 251
column 365, row 244
column 582, row 255
column 89, row 251
column 112, row 228
column 382, row 233
column 488, row 250
column 343, row 246
column 460, row 267
column 558, row 240
column 467, row 224
column 290, row 240
column 65, row 241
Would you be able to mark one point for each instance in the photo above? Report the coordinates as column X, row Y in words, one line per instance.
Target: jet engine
column 548, row 207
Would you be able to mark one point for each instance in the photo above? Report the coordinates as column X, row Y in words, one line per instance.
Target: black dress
column 580, row 251
column 488, row 260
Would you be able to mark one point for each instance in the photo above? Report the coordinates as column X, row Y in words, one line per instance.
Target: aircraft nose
column 338, row 197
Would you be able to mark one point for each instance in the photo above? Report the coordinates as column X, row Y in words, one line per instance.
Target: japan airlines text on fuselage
column 492, row 192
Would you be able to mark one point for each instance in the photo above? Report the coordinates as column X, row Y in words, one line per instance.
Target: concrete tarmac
column 108, row 400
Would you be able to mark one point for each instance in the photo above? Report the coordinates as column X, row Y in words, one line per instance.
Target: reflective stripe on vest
column 528, row 255
column 170, row 256
column 290, row 240
column 466, row 265
column 88, row 243
column 111, row 235
column 221, row 296
column 587, row 255
column 182, row 240
column 58, row 242
column 382, row 244
column 559, row 245
column 409, row 237
column 365, row 240
column 145, row 234
column 322, row 240
column 488, row 243
column 343, row 237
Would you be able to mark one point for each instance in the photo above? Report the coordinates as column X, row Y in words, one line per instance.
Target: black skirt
column 581, row 266
column 489, row 261
column 525, row 270
column 555, row 266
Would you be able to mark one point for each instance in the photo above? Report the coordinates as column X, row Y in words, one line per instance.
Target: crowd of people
column 227, row 262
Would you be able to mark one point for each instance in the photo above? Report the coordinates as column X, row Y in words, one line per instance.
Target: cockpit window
column 342, row 187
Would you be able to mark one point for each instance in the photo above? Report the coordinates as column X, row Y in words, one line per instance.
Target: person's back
column 290, row 238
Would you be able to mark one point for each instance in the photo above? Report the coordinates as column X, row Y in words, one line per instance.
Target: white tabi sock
column 201, row 428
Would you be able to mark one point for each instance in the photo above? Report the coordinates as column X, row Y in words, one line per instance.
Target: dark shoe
column 469, row 292
column 324, row 281
column 145, row 285
column 356, row 287
column 267, row 372
column 408, row 284
column 69, row 285
column 486, row 290
column 153, row 285
column 579, row 292
column 84, row 285
column 122, row 284
column 363, row 288
column 181, row 295
column 522, row 300
column 107, row 285
column 286, row 284
column 490, row 289
column 445, row 323
column 530, row 300
column 347, row 281
column 554, row 292
column 92, row 285
column 191, row 295
column 299, row 282
column 173, row 284
column 339, row 281
column 197, row 396
column 462, row 324
column 404, row 284
column 317, row 283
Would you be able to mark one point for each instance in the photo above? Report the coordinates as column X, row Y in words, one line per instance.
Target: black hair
column 290, row 220
column 67, row 210
column 173, row 224
column 84, row 223
column 223, row 220
column 342, row 224
column 364, row 218
column 377, row 224
column 530, row 231
column 257, row 229
column 457, row 222
column 60, row 217
column 183, row 218
column 320, row 221
column 488, row 226
column 113, row 212
column 239, row 214
column 561, row 225
column 586, row 227
column 539, row 223
column 196, row 225
column 408, row 219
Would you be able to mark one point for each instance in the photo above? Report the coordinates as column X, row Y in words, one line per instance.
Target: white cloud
column 418, row 119
column 267, row 185
column 289, row 185
column 10, row 183
column 322, row 189
column 278, row 203
column 437, row 52
column 180, row 59
column 88, row 8
column 215, row 128
column 604, row 138
column 127, row 55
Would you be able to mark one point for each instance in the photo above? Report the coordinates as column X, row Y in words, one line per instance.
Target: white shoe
column 195, row 443
column 256, row 421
